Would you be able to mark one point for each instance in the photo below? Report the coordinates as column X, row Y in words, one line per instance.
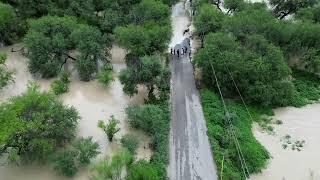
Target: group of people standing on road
column 183, row 48
column 180, row 51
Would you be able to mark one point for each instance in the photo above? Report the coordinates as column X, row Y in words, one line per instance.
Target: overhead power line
column 232, row 131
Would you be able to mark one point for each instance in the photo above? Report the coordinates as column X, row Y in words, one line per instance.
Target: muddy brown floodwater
column 93, row 101
column 286, row 164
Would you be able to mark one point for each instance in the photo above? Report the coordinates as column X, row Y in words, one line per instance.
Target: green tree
column 134, row 38
column 111, row 128
column 150, row 10
column 283, row 8
column 234, row 5
column 249, row 22
column 130, row 142
column 142, row 170
column 6, row 76
column 35, row 124
column 309, row 14
column 149, row 72
column 208, row 20
column 57, row 36
column 89, row 42
column 112, row 168
column 311, row 59
column 258, row 68
column 8, row 24
column 31, row 8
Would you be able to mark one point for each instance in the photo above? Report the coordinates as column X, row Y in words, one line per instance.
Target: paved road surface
column 190, row 154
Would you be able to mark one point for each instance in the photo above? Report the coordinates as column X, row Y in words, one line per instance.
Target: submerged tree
column 68, row 160
column 6, row 76
column 110, row 128
column 149, row 71
column 51, row 39
column 35, row 124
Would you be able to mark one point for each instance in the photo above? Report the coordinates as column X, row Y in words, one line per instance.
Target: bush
column 66, row 162
column 113, row 167
column 142, row 170
column 87, row 149
column 6, row 76
column 105, row 75
column 154, row 120
column 61, row 85
column 222, row 144
column 130, row 142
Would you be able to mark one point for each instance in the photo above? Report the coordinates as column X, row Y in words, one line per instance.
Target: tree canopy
column 35, row 123
column 149, row 72
column 283, row 8
column 51, row 39
column 8, row 24
column 208, row 20
column 258, row 67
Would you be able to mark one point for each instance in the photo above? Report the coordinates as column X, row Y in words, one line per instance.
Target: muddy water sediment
column 287, row 164
column 93, row 101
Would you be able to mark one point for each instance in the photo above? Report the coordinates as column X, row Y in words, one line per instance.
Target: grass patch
column 307, row 85
column 255, row 154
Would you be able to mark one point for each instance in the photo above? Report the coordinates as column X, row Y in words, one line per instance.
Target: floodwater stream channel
column 93, row 101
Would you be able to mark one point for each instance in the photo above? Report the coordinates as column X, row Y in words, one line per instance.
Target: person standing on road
column 178, row 53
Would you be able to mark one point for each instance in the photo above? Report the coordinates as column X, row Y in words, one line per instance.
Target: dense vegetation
column 82, row 32
column 6, row 76
column 258, row 49
column 35, row 124
column 61, row 85
column 68, row 160
column 154, row 120
column 221, row 141
column 272, row 57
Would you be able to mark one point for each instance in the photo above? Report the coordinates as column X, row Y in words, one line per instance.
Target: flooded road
column 190, row 153
column 286, row 164
column 93, row 101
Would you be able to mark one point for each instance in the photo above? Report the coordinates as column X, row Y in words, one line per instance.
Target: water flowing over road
column 190, row 153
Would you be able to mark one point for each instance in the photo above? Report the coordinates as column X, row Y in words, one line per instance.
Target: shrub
column 66, row 162
column 142, row 170
column 87, row 149
column 61, row 85
column 130, row 142
column 111, row 128
column 154, row 120
column 105, row 75
column 112, row 168
column 6, row 76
